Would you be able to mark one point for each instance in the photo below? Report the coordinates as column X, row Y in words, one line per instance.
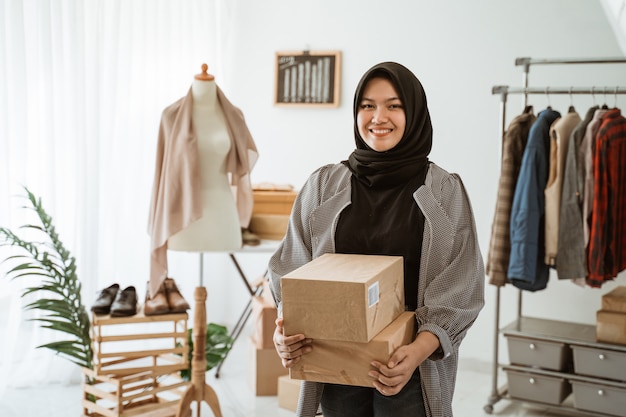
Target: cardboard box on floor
column 264, row 369
column 264, row 316
column 288, row 392
column 348, row 363
column 343, row 297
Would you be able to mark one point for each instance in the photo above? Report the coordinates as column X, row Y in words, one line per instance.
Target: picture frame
column 307, row 78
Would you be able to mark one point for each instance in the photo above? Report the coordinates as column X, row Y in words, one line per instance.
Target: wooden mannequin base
column 199, row 390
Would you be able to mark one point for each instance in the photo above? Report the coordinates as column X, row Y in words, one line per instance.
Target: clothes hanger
column 549, row 107
column 204, row 75
column 571, row 108
column 605, row 106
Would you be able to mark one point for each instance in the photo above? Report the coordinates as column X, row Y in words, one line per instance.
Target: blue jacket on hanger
column 527, row 269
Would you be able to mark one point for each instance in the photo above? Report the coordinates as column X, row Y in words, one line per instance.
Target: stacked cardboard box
column 611, row 318
column 352, row 306
column 265, row 366
column 270, row 213
column 288, row 392
column 137, row 361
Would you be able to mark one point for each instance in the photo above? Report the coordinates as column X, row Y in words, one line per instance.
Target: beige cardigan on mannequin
column 175, row 199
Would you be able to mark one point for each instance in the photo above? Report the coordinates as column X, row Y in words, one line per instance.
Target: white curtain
column 82, row 87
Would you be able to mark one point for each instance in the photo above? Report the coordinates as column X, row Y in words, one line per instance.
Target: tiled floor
column 236, row 398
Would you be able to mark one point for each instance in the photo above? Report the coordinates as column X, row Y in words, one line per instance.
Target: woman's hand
column 391, row 377
column 290, row 348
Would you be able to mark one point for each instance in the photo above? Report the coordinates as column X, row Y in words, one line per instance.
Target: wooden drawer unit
column 600, row 397
column 539, row 353
column 600, row 362
column 537, row 387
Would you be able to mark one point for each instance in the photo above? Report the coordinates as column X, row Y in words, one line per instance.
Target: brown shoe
column 174, row 298
column 157, row 304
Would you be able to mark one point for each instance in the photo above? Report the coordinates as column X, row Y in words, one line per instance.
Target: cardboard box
column 348, row 363
column 288, row 392
column 264, row 369
column 615, row 300
column 611, row 327
column 273, row 202
column 266, row 292
column 269, row 226
column 264, row 316
column 343, row 297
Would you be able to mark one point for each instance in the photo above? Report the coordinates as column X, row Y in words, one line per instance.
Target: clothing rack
column 498, row 393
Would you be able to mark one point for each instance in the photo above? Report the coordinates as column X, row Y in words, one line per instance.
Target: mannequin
column 202, row 195
column 218, row 229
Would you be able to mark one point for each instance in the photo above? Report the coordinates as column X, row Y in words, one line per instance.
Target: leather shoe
column 175, row 299
column 105, row 298
column 249, row 238
column 125, row 303
column 157, row 304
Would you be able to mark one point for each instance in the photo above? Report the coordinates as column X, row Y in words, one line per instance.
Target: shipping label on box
column 343, row 296
column 611, row 327
column 348, row 363
column 615, row 300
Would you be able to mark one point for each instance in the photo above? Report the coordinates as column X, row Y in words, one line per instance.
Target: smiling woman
column 380, row 118
column 78, row 111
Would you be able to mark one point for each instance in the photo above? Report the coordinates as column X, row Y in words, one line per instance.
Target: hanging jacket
column 560, row 132
column 607, row 243
column 571, row 259
column 527, row 269
column 513, row 145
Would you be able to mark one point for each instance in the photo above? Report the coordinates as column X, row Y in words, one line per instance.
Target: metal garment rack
column 504, row 91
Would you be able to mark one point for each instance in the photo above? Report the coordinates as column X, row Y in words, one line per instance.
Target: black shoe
column 105, row 298
column 125, row 303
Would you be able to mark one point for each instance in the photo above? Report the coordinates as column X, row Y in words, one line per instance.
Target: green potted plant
column 218, row 343
column 59, row 290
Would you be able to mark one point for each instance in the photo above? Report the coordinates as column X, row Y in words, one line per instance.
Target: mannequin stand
column 199, row 390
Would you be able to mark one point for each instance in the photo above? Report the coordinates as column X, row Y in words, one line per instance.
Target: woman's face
column 380, row 117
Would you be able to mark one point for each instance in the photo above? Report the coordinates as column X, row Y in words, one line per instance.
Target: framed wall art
column 307, row 78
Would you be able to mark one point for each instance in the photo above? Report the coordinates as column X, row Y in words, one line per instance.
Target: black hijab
column 409, row 157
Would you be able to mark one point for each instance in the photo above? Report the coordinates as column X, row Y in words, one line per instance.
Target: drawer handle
column 601, row 356
column 532, row 381
column 531, row 346
column 601, row 392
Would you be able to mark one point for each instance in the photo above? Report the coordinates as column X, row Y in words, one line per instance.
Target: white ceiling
column 616, row 14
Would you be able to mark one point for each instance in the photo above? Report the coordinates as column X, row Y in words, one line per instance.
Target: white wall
column 459, row 50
